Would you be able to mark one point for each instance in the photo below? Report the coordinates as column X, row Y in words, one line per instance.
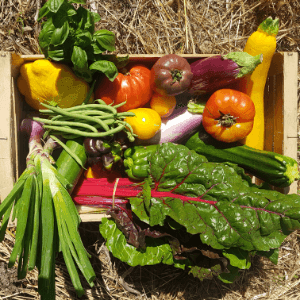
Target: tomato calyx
column 125, row 72
column 176, row 75
column 226, row 120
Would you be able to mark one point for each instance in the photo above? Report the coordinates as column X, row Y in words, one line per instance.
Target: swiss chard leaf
column 157, row 250
column 238, row 258
column 212, row 200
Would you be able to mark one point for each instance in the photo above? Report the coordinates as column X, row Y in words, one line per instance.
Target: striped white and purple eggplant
column 216, row 72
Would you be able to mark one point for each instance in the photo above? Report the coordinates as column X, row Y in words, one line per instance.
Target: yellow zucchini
column 262, row 41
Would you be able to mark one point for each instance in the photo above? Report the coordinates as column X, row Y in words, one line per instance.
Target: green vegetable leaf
column 231, row 276
column 79, row 58
column 56, row 54
column 83, row 39
column 106, row 39
column 46, row 34
column 85, row 20
column 272, row 255
column 60, row 35
column 106, row 67
column 78, row 1
column 238, row 258
column 205, row 273
column 96, row 17
column 44, row 11
column 213, row 200
column 54, row 5
column 157, row 251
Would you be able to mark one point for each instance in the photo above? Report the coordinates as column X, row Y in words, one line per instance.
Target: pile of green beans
column 87, row 120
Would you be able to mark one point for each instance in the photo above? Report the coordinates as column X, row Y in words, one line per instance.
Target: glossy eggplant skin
column 171, row 75
column 213, row 73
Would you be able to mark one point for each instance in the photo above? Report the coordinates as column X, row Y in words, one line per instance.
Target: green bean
column 84, row 133
column 36, row 222
column 126, row 114
column 100, row 101
column 22, row 216
column 66, row 123
column 81, row 108
column 120, row 104
column 78, row 116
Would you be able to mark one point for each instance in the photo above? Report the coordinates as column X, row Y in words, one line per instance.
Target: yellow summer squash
column 44, row 81
column 262, row 41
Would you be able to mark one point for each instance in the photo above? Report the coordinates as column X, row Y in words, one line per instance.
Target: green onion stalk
column 47, row 219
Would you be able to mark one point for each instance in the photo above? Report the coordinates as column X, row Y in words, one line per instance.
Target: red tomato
column 228, row 115
column 132, row 86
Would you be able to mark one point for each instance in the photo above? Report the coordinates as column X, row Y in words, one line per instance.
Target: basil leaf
column 46, row 34
column 119, row 61
column 57, row 54
column 106, row 39
column 84, row 20
column 44, row 11
column 97, row 49
column 83, row 39
column 78, row 1
column 96, row 17
column 79, row 58
column 54, row 5
column 60, row 35
column 106, row 67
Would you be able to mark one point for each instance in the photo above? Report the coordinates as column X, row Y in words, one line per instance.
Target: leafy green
column 212, row 207
column 68, row 35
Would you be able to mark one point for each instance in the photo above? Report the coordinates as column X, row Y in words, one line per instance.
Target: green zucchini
column 273, row 168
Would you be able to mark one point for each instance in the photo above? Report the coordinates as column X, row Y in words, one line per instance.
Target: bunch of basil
column 68, row 35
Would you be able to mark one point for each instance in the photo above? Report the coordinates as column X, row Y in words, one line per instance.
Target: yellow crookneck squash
column 262, row 41
column 55, row 83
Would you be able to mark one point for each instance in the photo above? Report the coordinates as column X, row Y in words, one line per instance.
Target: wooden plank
column 7, row 164
column 290, row 107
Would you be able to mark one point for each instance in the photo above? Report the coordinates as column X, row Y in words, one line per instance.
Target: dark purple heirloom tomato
column 171, row 75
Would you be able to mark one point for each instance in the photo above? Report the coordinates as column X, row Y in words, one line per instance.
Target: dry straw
column 147, row 27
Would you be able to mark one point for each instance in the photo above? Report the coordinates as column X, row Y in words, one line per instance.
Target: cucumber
column 67, row 165
column 273, row 168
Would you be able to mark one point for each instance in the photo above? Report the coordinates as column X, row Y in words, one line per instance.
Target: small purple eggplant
column 216, row 72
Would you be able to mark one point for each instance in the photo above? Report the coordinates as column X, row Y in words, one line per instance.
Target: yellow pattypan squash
column 44, row 81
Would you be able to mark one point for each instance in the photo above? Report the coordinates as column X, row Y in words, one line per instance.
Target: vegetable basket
column 280, row 114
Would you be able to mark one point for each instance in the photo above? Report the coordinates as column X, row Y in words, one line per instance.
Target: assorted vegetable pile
column 172, row 173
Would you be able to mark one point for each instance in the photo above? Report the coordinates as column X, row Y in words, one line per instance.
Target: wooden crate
column 280, row 113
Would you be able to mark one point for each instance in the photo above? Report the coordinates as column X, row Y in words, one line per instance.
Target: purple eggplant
column 216, row 72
